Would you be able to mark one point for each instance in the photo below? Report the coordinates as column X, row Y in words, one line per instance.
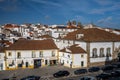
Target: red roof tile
column 45, row 36
column 93, row 35
column 74, row 49
column 33, row 45
column 7, row 26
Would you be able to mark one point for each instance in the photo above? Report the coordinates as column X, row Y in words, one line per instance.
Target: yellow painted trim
column 23, row 66
column 10, row 68
column 72, row 58
column 58, row 54
column 31, row 66
column 5, row 61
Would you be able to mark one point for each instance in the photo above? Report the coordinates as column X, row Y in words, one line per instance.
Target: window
column 82, row 56
column 46, row 62
column 63, row 41
column 82, row 63
column 9, row 54
column 78, row 36
column 53, row 53
column 68, row 56
column 102, row 52
column 18, row 55
column 67, row 61
column 41, row 54
column 108, row 53
column 33, row 54
column 68, row 42
column 94, row 53
column 63, row 54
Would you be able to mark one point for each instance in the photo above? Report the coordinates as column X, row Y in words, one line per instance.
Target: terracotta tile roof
column 72, row 26
column 93, row 35
column 3, row 41
column 33, row 45
column 7, row 26
column 74, row 49
column 66, row 27
column 45, row 36
column 2, row 49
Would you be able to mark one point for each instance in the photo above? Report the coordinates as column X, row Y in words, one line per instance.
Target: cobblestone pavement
column 44, row 72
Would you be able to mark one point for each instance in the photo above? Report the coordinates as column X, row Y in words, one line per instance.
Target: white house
column 99, row 44
column 73, row 56
column 2, row 62
column 31, row 53
column 61, row 31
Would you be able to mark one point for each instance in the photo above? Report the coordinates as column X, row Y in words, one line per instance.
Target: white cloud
column 51, row 3
column 115, row 6
column 104, row 20
column 104, row 2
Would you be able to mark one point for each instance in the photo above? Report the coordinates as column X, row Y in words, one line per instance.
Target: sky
column 104, row 13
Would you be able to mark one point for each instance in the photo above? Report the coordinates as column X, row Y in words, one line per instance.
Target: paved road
column 44, row 72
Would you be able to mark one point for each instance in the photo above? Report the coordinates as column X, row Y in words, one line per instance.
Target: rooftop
column 93, row 35
column 33, row 45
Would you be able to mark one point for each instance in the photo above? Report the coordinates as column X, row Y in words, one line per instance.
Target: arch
column 94, row 53
column 108, row 52
column 119, row 56
column 102, row 52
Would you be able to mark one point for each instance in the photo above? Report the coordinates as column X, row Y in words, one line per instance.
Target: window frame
column 18, row 56
column 94, row 53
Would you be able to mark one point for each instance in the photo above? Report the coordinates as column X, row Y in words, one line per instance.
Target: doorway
column 37, row 63
column 119, row 57
column 26, row 64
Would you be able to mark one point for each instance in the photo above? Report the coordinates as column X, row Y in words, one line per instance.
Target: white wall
column 74, row 58
column 103, row 59
column 26, row 55
column 81, row 44
column 77, row 59
column 2, row 62
column 99, row 45
column 117, row 44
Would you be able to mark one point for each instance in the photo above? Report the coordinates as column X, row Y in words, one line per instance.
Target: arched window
column 94, row 53
column 102, row 52
column 108, row 52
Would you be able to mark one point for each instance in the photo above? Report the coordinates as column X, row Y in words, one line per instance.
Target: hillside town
column 72, row 45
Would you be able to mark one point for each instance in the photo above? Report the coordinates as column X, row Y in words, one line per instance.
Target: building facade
column 31, row 54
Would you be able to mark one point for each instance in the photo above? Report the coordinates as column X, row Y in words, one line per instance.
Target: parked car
column 87, row 78
column 116, row 65
column 103, row 76
column 6, row 79
column 80, row 71
column 31, row 78
column 61, row 73
column 93, row 69
column 108, row 68
column 115, row 73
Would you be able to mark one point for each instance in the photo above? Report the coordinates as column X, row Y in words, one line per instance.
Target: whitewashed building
column 31, row 54
column 73, row 56
column 2, row 62
column 99, row 44
column 61, row 31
